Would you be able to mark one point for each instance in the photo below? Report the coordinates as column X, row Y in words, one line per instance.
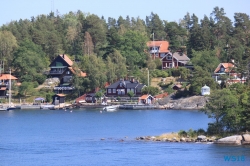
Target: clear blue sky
column 170, row 10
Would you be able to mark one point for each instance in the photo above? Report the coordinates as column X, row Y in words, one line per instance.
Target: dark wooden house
column 61, row 68
column 122, row 87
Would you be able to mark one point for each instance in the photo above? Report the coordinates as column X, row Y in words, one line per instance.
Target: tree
column 26, row 88
column 29, row 60
column 8, row 44
column 150, row 90
column 221, row 105
column 130, row 94
column 88, row 44
column 199, row 79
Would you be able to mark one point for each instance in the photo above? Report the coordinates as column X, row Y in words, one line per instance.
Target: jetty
column 137, row 106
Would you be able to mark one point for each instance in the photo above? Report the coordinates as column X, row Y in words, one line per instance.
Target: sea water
column 94, row 137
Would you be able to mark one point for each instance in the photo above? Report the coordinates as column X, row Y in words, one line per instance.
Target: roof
column 144, row 96
column 162, row 44
column 178, row 85
column 82, row 74
column 66, row 59
column 181, row 57
column 81, row 98
column 127, row 83
column 3, row 88
column 227, row 66
column 7, row 77
column 61, row 95
column 159, row 96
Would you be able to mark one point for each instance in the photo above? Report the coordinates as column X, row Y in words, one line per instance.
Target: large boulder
column 201, row 138
column 246, row 139
column 231, row 140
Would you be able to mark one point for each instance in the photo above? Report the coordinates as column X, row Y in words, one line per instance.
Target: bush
column 40, row 78
column 201, row 132
column 182, row 133
column 35, row 84
column 192, row 133
column 26, row 78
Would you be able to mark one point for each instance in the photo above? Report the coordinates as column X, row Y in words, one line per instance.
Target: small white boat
column 110, row 108
column 2, row 108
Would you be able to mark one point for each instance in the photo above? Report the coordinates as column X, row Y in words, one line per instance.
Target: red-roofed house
column 229, row 70
column 146, row 99
column 158, row 49
column 61, row 68
column 4, row 83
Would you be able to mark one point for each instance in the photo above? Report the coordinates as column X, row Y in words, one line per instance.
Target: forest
column 108, row 49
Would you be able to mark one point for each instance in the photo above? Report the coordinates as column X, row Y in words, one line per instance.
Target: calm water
column 58, row 137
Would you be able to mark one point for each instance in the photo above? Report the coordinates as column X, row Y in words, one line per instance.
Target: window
column 114, row 90
column 169, row 57
column 170, row 65
column 109, row 90
column 162, row 55
column 222, row 69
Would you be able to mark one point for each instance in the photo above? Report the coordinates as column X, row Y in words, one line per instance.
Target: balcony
column 63, row 88
column 56, row 71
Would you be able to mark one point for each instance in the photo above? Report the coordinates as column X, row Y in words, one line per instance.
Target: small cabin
column 205, row 90
column 146, row 99
column 58, row 99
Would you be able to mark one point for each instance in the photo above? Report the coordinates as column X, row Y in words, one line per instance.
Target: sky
column 169, row 10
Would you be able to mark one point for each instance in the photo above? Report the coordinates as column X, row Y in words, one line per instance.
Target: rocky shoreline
column 243, row 139
column 187, row 103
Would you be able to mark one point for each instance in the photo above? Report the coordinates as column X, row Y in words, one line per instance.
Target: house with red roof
column 158, row 49
column 4, row 83
column 62, row 68
column 228, row 69
column 146, row 99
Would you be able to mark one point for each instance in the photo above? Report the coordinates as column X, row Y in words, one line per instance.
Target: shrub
column 182, row 133
column 201, row 132
column 192, row 133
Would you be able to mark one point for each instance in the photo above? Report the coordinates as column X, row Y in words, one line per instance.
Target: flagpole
column 154, row 43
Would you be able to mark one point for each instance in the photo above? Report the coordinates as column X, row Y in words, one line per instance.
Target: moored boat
column 110, row 108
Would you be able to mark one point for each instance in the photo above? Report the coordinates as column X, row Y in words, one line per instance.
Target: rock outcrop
column 246, row 139
column 231, row 140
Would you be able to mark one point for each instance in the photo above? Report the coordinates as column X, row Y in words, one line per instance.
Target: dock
column 137, row 106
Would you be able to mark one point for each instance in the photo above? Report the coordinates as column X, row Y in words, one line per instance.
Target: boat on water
column 2, row 108
column 110, row 108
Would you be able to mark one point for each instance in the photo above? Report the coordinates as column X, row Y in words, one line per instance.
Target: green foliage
column 40, row 78
column 130, row 94
column 26, row 88
column 48, row 97
column 159, row 73
column 192, row 133
column 182, row 133
column 150, row 90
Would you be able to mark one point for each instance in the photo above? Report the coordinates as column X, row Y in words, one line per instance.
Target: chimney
column 63, row 56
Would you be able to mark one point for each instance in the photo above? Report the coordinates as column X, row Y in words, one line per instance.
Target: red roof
column 81, row 98
column 162, row 44
column 144, row 97
column 160, row 96
column 82, row 74
column 7, row 77
column 66, row 59
column 227, row 66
